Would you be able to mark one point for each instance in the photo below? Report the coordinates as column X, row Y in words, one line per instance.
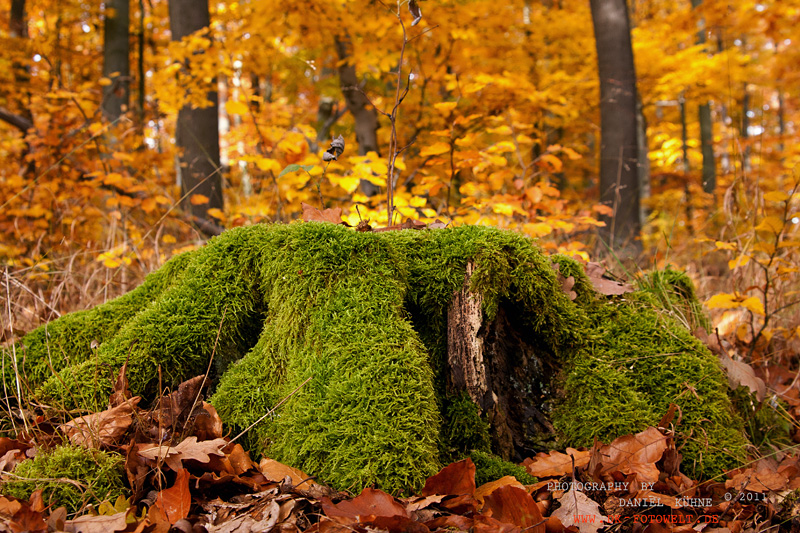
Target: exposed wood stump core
column 503, row 370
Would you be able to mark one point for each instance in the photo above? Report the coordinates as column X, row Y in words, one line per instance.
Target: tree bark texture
column 619, row 184
column 498, row 364
column 197, row 134
column 116, row 58
column 364, row 115
column 706, row 130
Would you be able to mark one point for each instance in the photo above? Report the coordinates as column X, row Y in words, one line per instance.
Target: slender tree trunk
column 687, row 195
column 365, row 116
column 140, row 42
column 644, row 159
column 744, row 133
column 116, row 58
column 619, row 181
column 706, row 130
column 197, row 134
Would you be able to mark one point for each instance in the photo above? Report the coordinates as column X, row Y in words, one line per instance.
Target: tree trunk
column 619, row 183
column 197, row 134
column 116, row 58
column 498, row 365
column 706, row 130
column 365, row 116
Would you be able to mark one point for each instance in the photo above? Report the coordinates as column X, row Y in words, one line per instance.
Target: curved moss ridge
column 637, row 361
column 363, row 315
column 98, row 473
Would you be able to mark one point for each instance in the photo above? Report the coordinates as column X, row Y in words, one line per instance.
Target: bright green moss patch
column 357, row 324
column 69, row 476
column 489, row 467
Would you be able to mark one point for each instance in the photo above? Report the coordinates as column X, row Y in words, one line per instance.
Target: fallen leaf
column 578, row 510
column 631, row 454
column 488, row 488
column 369, row 504
column 454, row 479
column 740, row 373
column 513, row 505
column 312, row 214
column 596, row 274
column 103, row 428
column 175, row 501
column 97, row 524
column 556, row 464
column 276, row 471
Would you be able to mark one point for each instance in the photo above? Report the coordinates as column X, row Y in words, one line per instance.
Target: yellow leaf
column 572, row 154
column 766, row 247
column 348, row 183
column 148, row 205
column 539, row 229
column 753, row 305
column 163, row 200
column 776, row 196
column 435, row 149
column 550, row 162
column 503, row 209
column 198, row 199
column 725, row 245
column 445, row 107
column 112, row 178
column 771, row 225
column 95, row 128
column 417, row 201
column 234, row 107
column 723, row 301
column 168, row 239
column 216, row 213
column 267, row 164
column 105, row 82
column 742, row 260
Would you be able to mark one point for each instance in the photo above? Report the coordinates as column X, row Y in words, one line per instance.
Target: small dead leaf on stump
column 312, row 214
column 276, row 471
column 630, row 454
column 596, row 274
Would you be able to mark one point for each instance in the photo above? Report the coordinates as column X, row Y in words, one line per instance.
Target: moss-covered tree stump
column 417, row 347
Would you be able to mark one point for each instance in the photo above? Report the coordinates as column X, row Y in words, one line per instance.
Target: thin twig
column 268, row 413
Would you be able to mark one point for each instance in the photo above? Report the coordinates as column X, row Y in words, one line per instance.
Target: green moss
column 69, row 476
column 638, row 361
column 358, row 322
column 489, row 467
column 674, row 292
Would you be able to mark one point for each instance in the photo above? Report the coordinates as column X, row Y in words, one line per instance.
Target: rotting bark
column 500, row 368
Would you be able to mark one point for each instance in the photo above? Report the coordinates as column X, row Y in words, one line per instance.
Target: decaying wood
column 503, row 369
column 464, row 347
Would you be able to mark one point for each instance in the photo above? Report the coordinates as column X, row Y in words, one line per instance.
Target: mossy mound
column 363, row 318
column 69, row 476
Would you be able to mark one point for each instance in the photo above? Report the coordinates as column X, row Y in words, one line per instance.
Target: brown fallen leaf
column 371, row 503
column 97, row 524
column 175, row 501
column 630, row 454
column 513, row 505
column 454, row 479
column 275, row 471
column 556, row 464
column 187, row 449
column 579, row 511
column 487, row 488
column 312, row 214
column 740, row 373
column 602, row 284
column 101, row 429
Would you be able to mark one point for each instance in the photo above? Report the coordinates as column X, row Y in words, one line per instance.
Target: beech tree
column 116, row 58
column 619, row 183
column 197, row 130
